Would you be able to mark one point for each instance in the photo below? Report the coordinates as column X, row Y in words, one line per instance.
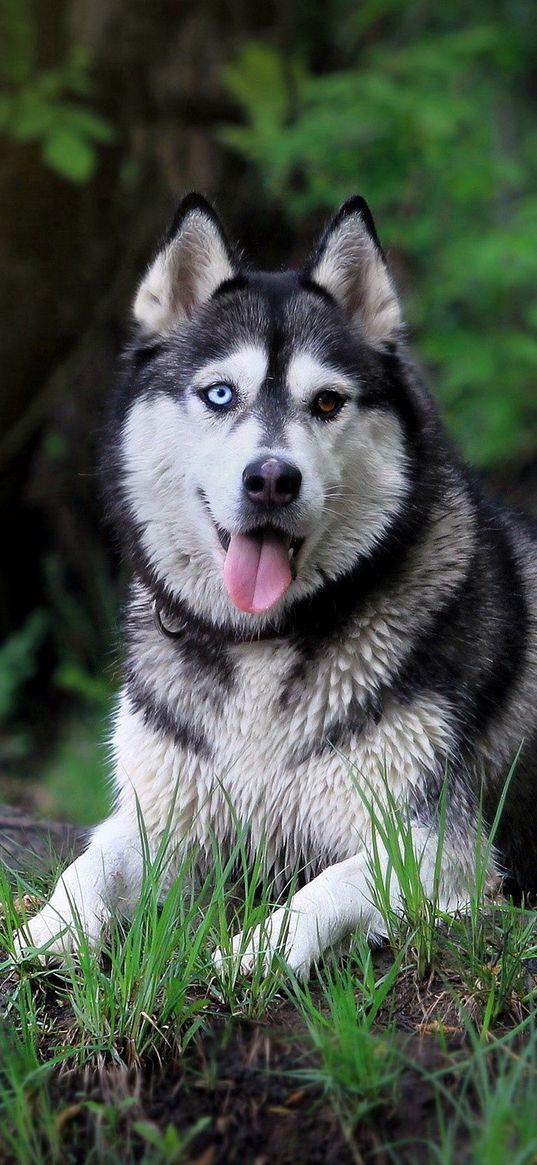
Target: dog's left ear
column 194, row 261
column 349, row 263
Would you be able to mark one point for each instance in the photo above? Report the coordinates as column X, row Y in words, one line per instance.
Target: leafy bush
column 47, row 107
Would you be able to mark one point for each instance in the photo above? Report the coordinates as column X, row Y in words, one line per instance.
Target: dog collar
column 184, row 623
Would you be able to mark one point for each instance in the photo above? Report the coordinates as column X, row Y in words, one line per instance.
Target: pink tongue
column 256, row 571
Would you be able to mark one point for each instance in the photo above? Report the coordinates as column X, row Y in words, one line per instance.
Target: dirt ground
column 246, row 1080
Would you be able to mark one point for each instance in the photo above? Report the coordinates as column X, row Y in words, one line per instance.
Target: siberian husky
column 324, row 607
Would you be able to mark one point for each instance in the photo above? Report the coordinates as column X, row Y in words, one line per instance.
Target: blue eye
column 220, row 396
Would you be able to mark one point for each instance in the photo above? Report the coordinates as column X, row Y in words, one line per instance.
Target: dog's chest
column 292, row 748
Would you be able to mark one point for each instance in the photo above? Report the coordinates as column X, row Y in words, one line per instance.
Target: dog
column 325, row 609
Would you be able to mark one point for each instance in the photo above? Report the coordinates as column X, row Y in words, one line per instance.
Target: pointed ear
column 349, row 263
column 194, row 261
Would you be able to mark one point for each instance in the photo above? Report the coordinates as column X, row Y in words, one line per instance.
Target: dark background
column 109, row 112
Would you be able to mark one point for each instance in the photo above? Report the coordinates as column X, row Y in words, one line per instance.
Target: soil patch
column 246, row 1088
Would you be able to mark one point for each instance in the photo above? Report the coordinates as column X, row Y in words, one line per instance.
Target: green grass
column 357, row 1069
column 152, row 997
column 494, row 1107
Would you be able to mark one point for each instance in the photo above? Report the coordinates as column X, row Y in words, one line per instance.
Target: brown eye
column 327, row 404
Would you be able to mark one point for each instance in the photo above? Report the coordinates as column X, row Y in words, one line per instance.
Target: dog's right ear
column 194, row 261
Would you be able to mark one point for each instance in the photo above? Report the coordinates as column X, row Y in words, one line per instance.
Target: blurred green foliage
column 76, row 777
column 74, row 770
column 17, row 661
column 18, row 664
column 48, row 106
column 431, row 115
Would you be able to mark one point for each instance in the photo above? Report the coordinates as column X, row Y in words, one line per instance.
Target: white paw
column 61, row 927
column 290, row 934
column 46, row 933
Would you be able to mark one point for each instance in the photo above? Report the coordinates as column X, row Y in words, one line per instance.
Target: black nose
column 271, row 481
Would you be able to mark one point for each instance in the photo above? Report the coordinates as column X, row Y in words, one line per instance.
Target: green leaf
column 31, row 117
column 87, row 124
column 70, row 155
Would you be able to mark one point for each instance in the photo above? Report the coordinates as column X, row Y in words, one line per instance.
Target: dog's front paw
column 45, row 934
column 287, row 933
column 61, row 927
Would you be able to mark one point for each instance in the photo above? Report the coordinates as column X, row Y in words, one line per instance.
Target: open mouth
column 259, row 566
column 293, row 544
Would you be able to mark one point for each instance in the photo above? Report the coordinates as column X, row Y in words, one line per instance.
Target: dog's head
column 262, row 450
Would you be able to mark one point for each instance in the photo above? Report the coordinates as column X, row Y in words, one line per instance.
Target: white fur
column 352, row 269
column 335, row 903
column 184, row 274
column 308, row 374
column 245, row 368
